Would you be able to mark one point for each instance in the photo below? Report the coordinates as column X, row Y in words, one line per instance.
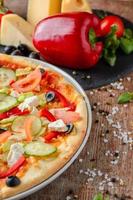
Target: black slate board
column 103, row 74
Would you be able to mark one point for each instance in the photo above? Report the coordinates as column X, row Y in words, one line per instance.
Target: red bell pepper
column 51, row 135
column 45, row 113
column 13, row 111
column 14, row 168
column 65, row 102
column 64, row 40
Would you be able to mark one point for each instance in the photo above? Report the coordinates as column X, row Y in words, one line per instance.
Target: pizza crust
column 46, row 168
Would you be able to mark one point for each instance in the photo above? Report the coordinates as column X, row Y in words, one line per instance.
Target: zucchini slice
column 39, row 149
column 7, row 102
column 18, row 124
column 6, row 76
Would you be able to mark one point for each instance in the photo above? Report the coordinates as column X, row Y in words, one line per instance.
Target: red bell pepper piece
column 13, row 111
column 51, row 135
column 14, row 168
column 64, row 101
column 45, row 113
column 64, row 40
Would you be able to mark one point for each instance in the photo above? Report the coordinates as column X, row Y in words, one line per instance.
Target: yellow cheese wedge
column 40, row 9
column 15, row 30
column 75, row 5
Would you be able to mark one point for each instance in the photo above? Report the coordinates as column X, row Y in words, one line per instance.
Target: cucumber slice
column 42, row 100
column 24, row 71
column 42, row 132
column 7, row 120
column 4, row 90
column 7, row 102
column 44, row 121
column 23, row 96
column 39, row 149
column 18, row 124
column 6, row 146
column 6, row 76
column 18, row 137
column 36, row 126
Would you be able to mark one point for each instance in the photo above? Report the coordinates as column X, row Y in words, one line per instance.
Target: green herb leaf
column 110, row 56
column 92, row 37
column 112, row 41
column 107, row 198
column 128, row 33
column 113, row 31
column 98, row 196
column 110, row 47
column 126, row 45
column 125, row 97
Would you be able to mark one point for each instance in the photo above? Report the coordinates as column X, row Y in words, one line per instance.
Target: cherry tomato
column 109, row 22
column 28, row 83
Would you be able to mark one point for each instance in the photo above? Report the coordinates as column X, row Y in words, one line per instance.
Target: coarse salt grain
column 129, row 79
column 121, row 182
column 105, row 140
column 101, row 188
column 114, row 162
column 68, row 198
column 125, row 105
column 117, row 85
column 90, row 179
column 74, row 72
column 76, row 196
column 99, row 173
column 81, row 171
column 91, row 93
column 115, row 109
column 88, row 77
column 110, row 184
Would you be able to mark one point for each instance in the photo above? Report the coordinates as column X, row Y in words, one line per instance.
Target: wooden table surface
column 106, row 163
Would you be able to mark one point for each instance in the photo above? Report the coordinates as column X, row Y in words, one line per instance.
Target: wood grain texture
column 72, row 182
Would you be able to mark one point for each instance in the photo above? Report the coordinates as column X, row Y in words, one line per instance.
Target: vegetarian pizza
column 43, row 120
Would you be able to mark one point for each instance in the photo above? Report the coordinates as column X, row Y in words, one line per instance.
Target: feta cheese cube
column 16, row 151
column 29, row 103
column 58, row 125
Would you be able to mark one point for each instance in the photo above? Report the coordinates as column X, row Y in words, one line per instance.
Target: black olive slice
column 70, row 127
column 50, row 96
column 12, row 181
column 42, row 70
